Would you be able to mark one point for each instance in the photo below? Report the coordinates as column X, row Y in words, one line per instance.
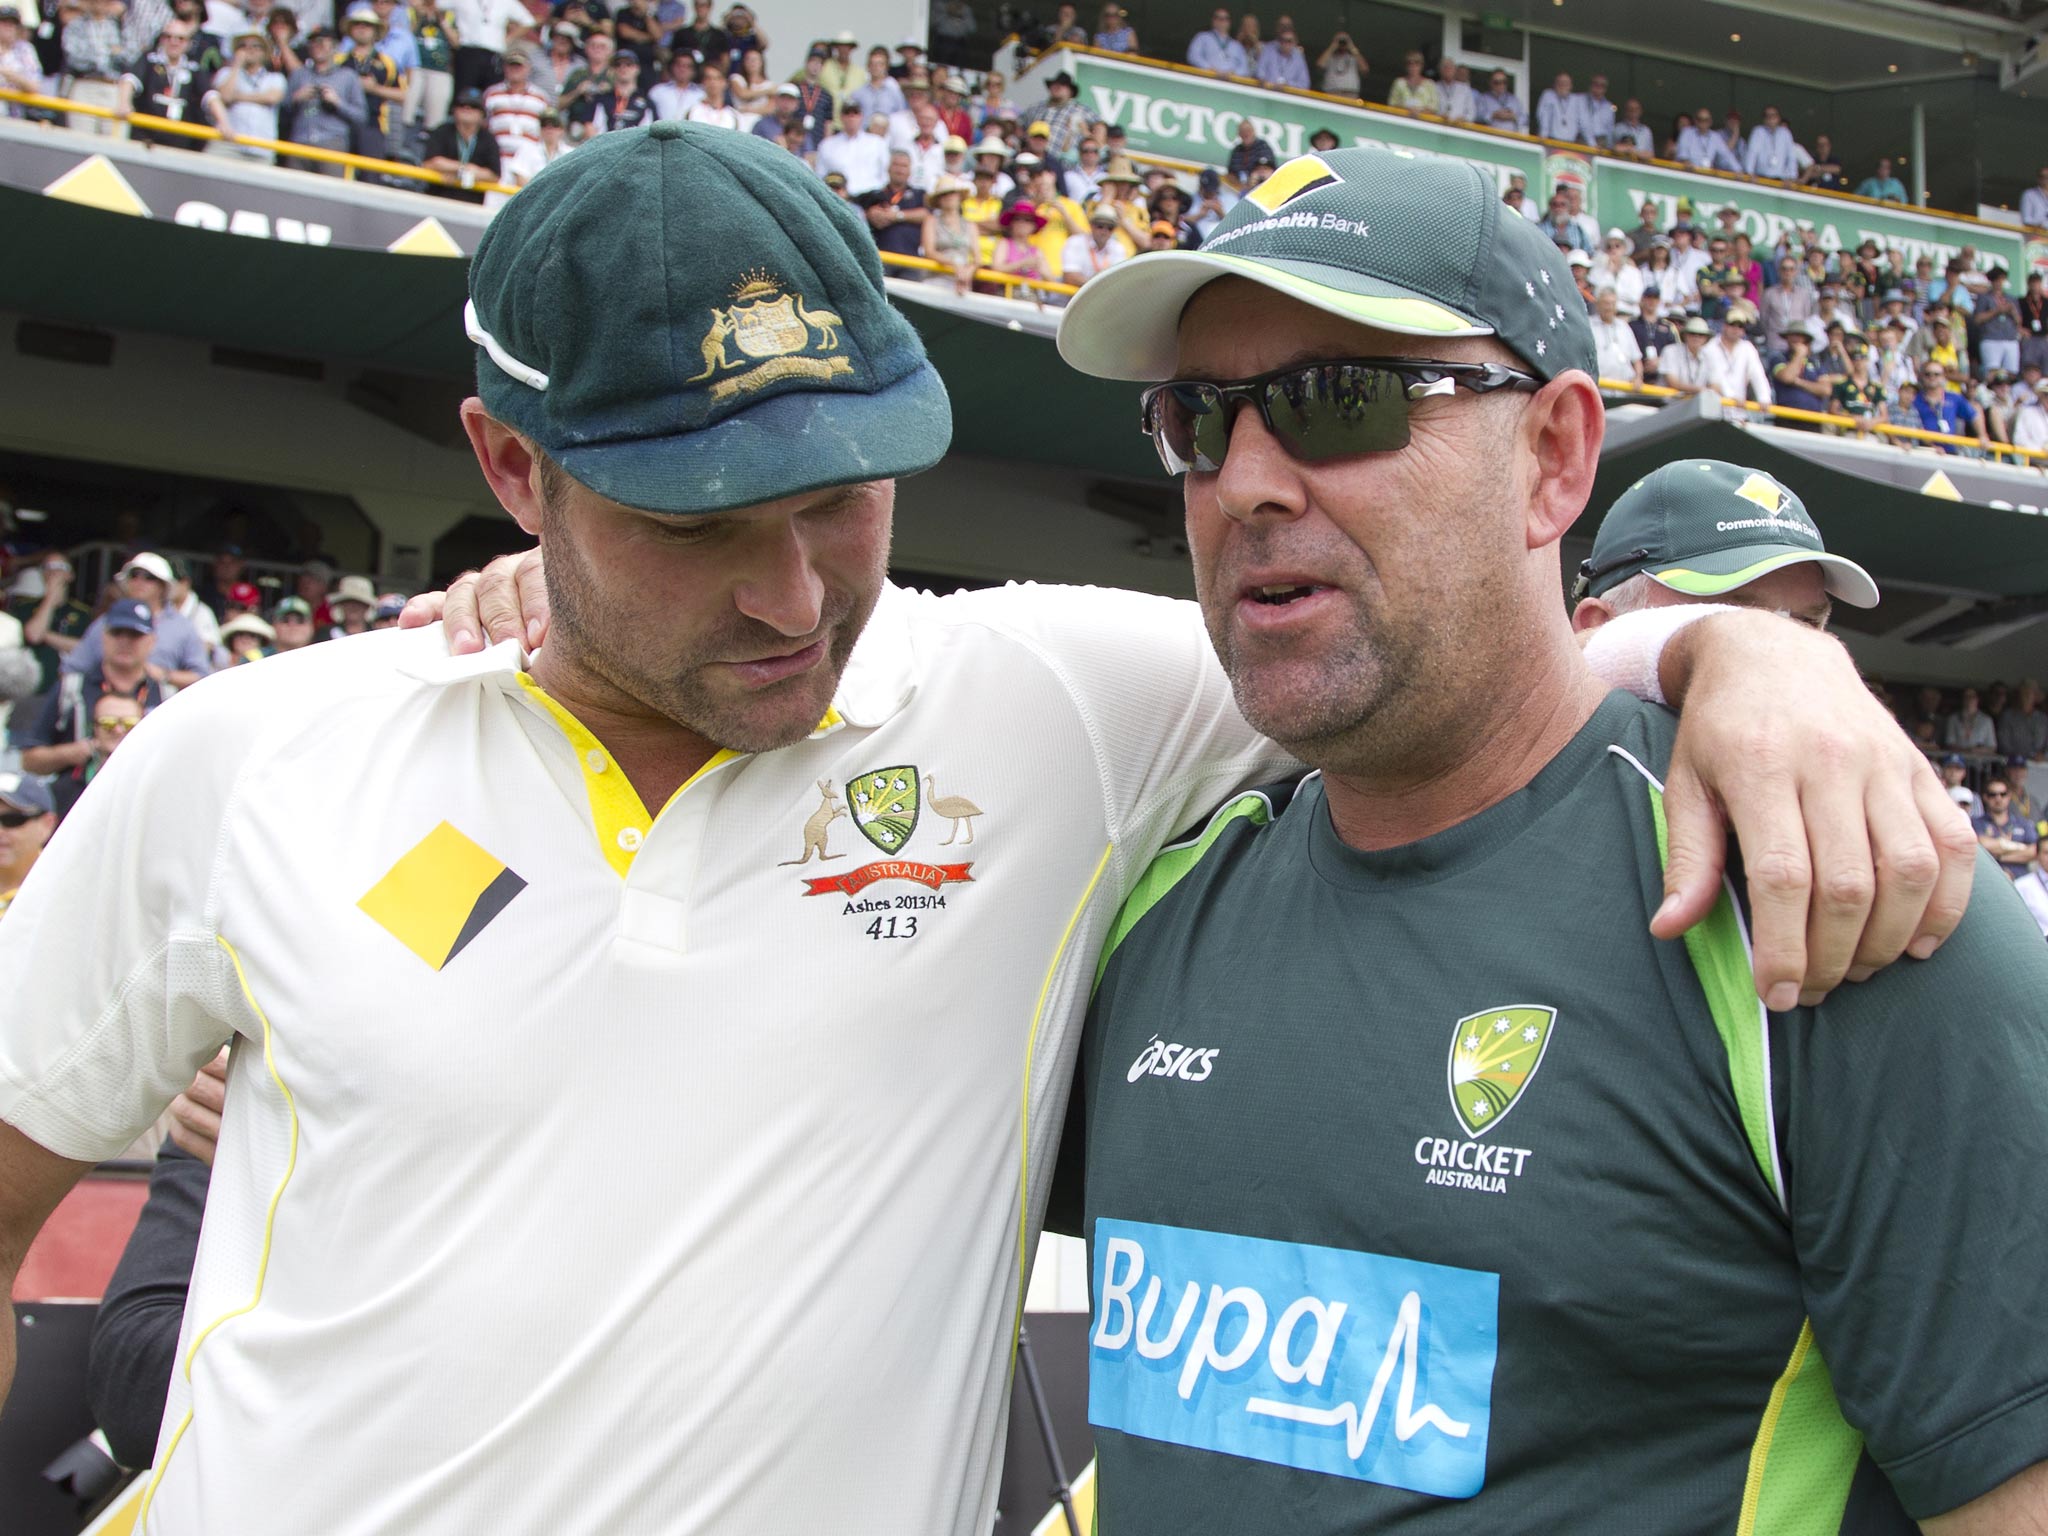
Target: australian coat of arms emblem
column 768, row 333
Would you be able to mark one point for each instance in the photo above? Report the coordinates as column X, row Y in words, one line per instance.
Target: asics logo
column 1161, row 1058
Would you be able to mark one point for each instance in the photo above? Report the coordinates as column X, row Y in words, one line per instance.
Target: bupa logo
column 1353, row 1364
column 1162, row 1058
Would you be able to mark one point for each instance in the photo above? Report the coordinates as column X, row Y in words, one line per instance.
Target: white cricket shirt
column 586, row 1171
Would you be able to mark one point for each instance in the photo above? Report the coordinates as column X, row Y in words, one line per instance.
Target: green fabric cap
column 688, row 321
column 1414, row 245
column 1704, row 527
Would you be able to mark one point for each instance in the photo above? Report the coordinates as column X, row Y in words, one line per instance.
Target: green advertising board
column 1184, row 115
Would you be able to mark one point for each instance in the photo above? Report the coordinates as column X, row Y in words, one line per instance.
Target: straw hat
column 1120, row 170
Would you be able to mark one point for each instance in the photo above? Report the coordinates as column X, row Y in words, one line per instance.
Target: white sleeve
column 113, row 990
column 1151, row 696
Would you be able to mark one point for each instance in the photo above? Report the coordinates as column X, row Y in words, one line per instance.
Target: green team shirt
column 1853, row 399
column 1426, row 1192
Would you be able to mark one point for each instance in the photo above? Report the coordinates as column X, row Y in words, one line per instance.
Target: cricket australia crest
column 768, row 333
column 1494, row 1056
column 886, row 803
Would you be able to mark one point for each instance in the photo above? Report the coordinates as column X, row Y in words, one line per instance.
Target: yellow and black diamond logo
column 440, row 895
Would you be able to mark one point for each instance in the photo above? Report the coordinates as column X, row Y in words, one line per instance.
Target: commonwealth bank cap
column 1400, row 242
column 1704, row 527
column 688, row 321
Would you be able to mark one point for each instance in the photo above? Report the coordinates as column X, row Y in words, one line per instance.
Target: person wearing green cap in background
column 1704, row 531
column 673, row 1172
column 1355, row 1257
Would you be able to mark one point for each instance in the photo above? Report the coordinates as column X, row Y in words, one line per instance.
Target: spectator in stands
column 862, row 158
column 51, row 620
column 1216, row 50
column 1772, row 151
column 1733, row 366
column 1823, row 170
column 2030, row 412
column 167, row 83
column 1969, row 729
column 1016, row 249
column 2033, row 317
column 2034, row 202
column 1827, row 311
column 1787, row 303
column 748, row 86
column 1559, row 112
column 530, row 159
column 1654, row 331
column 1084, row 256
column 1114, row 32
column 593, row 79
column 1560, row 226
column 1618, row 353
column 28, row 816
column 1630, row 137
column 512, row 108
column 396, row 41
column 20, row 68
column 1499, row 107
column 896, row 210
column 1944, row 409
column 387, row 612
column 60, row 742
column 1245, row 153
column 383, row 85
column 247, row 638
column 783, row 121
column 1413, row 91
column 351, row 603
column 1860, row 395
column 816, row 105
column 1582, row 265
column 1701, row 146
column 626, row 108
column 1083, row 179
column 1342, row 68
column 1614, row 271
column 1282, row 62
column 1882, row 184
column 674, row 95
column 2011, row 840
column 1456, row 100
column 1996, row 321
column 926, row 148
column 179, row 656
column 1164, row 236
column 328, row 106
column 950, row 97
column 1596, row 114
column 1664, row 279
column 1248, row 36
column 294, row 618
column 1066, row 120
column 2023, row 726
column 463, row 150
column 712, row 43
column 1800, row 381
column 1954, row 774
column 244, row 99
column 879, row 95
column 948, row 238
column 92, row 61
column 484, row 29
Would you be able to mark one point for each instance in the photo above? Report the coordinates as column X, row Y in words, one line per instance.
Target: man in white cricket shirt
column 649, row 1053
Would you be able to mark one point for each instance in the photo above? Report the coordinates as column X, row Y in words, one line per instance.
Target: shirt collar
column 879, row 680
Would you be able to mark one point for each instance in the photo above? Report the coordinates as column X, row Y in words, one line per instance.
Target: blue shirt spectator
column 1560, row 113
column 1217, row 51
column 1498, row 107
column 1941, row 409
column 178, row 648
column 1883, row 186
column 1281, row 62
column 1699, row 144
column 2034, row 203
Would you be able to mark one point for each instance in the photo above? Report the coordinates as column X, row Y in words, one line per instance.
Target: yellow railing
column 282, row 150
column 1662, row 392
column 1570, row 146
column 1010, row 280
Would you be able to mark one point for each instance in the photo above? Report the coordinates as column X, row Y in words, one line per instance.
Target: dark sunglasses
column 12, row 819
column 1318, row 411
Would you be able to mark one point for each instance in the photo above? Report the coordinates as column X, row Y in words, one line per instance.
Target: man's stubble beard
column 676, row 691
column 1390, row 706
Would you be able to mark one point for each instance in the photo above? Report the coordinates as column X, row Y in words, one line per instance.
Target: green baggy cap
column 687, row 321
column 1404, row 243
column 1704, row 527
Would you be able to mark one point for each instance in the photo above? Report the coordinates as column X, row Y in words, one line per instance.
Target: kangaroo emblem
column 819, row 827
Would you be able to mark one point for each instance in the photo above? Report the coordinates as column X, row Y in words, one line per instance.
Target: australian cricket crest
column 775, row 336
column 1494, row 1057
column 885, row 805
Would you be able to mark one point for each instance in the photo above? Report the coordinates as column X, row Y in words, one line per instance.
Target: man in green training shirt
column 1426, row 1191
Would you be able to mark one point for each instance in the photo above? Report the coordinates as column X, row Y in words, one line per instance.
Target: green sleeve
column 1913, row 1114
